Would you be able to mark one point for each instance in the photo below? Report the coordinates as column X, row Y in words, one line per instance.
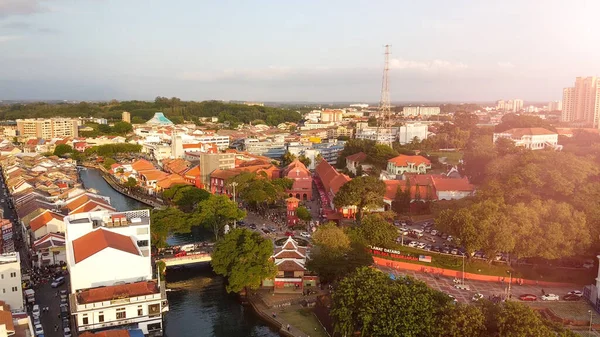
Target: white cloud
column 434, row 65
column 6, row 38
column 20, row 7
column 505, row 64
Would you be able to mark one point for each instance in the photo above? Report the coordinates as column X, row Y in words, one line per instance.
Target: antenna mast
column 384, row 130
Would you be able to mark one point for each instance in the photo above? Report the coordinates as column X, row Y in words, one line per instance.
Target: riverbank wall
column 262, row 311
column 117, row 187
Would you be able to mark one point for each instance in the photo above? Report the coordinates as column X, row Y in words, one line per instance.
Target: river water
column 199, row 306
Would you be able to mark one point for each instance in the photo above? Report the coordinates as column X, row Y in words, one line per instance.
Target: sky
column 277, row 50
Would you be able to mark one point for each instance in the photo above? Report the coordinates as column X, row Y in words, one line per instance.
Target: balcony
column 115, row 323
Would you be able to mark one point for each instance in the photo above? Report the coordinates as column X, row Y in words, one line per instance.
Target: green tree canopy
column 375, row 230
column 331, row 236
column 62, row 149
column 165, row 222
column 217, row 211
column 186, row 197
column 303, row 214
column 364, row 192
column 243, row 257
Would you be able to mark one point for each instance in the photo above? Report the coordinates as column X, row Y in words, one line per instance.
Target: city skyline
column 270, row 51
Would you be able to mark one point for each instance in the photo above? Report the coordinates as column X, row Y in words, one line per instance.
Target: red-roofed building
column 218, row 178
column 47, row 222
column 355, row 160
column 302, row 188
column 328, row 181
column 408, row 164
column 50, row 249
column 292, row 275
column 100, row 239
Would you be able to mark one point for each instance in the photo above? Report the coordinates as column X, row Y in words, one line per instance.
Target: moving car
column 67, row 332
column 305, row 235
column 58, row 282
column 550, row 297
column 454, row 300
column 575, row 292
column 528, row 297
column 477, row 297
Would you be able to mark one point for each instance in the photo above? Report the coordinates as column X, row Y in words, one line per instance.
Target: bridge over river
column 188, row 254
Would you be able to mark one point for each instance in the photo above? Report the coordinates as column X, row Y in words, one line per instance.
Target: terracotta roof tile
column 90, row 206
column 142, row 164
column 94, row 242
column 357, row 157
column 290, row 265
column 42, row 219
column 101, row 294
column 404, row 160
column 7, row 319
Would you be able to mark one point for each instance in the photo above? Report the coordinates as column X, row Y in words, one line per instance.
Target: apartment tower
column 48, row 128
column 581, row 103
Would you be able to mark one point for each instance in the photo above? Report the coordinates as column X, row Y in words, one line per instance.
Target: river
column 199, row 306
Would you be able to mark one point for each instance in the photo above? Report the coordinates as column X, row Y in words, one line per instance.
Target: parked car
column 449, row 238
column 528, row 297
column 37, row 321
column 477, row 297
column 445, row 250
column 36, row 311
column 421, row 245
column 58, row 282
column 413, row 244
column 305, row 235
column 571, row 297
column 429, row 238
column 252, row 226
column 444, row 236
column 434, row 232
column 454, row 300
column 575, row 292
column 550, row 297
column 436, row 249
column 38, row 330
column 454, row 251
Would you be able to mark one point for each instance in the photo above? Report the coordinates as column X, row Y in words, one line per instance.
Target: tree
column 516, row 320
column 331, row 236
column 186, row 197
column 369, row 302
column 303, row 214
column 375, row 230
column 217, row 211
column 131, row 182
column 401, row 202
column 465, row 120
column 372, row 121
column 304, row 160
column 108, row 162
column 363, row 192
column 244, row 258
column 62, row 149
column 122, row 128
column 287, row 158
column 165, row 222
column 462, row 320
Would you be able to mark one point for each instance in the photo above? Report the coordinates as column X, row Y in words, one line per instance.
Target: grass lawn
column 305, row 320
column 569, row 310
column 452, row 158
column 577, row 276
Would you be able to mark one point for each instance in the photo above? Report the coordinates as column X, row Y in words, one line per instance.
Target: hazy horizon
column 272, row 51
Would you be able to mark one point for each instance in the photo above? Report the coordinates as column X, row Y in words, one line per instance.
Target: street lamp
column 509, row 282
column 590, row 320
column 463, row 272
column 234, row 184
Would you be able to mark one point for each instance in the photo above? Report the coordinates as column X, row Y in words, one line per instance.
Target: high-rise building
column 126, row 117
column 48, row 128
column 555, row 106
column 500, row 105
column 420, row 110
column 517, row 105
column 581, row 103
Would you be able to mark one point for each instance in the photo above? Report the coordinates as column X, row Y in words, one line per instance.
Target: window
column 140, row 311
column 101, row 316
column 121, row 313
column 13, row 274
column 140, row 231
column 142, row 243
column 2, row 276
column 14, row 289
column 85, row 319
column 154, row 326
column 153, row 309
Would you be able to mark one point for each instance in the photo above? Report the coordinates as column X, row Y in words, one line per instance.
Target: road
column 46, row 296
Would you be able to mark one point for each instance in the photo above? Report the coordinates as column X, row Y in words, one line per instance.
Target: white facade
column 420, row 110
column 109, row 266
column 255, row 146
column 531, row 139
column 221, row 141
column 407, row 132
column 11, row 290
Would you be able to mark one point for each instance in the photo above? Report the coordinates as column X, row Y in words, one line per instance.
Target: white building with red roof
column 109, row 260
column 531, row 138
column 290, row 260
column 408, row 164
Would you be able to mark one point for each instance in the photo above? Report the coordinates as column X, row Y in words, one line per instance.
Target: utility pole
column 384, row 126
column 463, row 272
column 509, row 283
column 234, row 184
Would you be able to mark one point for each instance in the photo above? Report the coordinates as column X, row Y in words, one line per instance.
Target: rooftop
column 9, row 258
column 100, row 239
column 119, row 291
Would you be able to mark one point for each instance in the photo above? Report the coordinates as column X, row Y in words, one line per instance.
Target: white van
column 418, row 232
column 36, row 311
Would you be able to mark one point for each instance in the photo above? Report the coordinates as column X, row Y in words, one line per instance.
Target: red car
column 528, row 297
column 289, row 234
